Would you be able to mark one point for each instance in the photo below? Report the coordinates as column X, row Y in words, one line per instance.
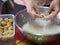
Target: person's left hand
column 53, row 9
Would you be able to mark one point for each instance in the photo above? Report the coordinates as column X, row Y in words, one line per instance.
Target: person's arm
column 19, row 2
column 41, row 2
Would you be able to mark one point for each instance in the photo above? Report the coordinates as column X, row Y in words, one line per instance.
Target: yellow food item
column 1, row 27
column 1, row 19
column 5, row 33
column 18, row 42
column 1, row 31
column 6, row 19
column 10, row 20
column 46, row 14
column 0, row 23
column 6, row 26
column 5, row 29
column 3, row 23
column 10, row 28
column 10, row 32
column 23, row 43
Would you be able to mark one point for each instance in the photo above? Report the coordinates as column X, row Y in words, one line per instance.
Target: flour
column 36, row 27
column 43, row 22
column 42, row 26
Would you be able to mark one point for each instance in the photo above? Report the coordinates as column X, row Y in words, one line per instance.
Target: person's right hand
column 53, row 9
column 32, row 7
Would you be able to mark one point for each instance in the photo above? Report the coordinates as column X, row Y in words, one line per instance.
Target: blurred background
column 1, row 3
column 6, row 7
column 9, row 6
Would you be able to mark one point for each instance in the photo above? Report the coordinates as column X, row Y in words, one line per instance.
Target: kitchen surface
column 19, row 38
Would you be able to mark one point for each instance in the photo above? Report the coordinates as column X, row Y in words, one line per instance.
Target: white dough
column 35, row 28
column 43, row 22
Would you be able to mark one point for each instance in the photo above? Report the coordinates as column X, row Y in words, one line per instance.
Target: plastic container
column 8, row 39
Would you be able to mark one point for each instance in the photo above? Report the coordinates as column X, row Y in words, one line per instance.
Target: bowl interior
column 23, row 17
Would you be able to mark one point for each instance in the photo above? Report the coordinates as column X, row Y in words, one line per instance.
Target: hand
column 53, row 9
column 32, row 7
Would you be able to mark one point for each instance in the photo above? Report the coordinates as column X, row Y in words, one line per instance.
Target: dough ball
column 1, row 19
column 9, row 24
column 5, row 29
column 5, row 26
column 10, row 32
column 6, row 19
column 10, row 28
column 1, row 27
column 3, row 23
column 5, row 33
column 10, row 20
column 1, row 31
column 0, row 23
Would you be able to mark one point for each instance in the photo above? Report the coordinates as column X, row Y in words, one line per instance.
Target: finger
column 34, row 12
column 35, row 15
column 53, row 14
column 38, row 16
column 36, row 9
column 50, row 8
column 56, row 10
